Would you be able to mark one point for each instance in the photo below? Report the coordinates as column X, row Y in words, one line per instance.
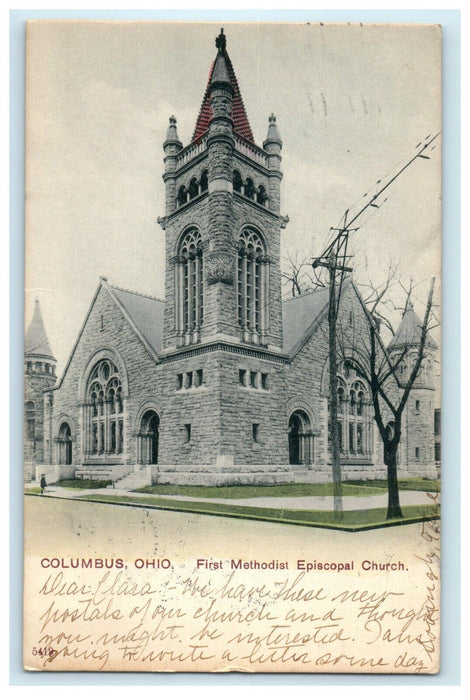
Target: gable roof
column 241, row 125
column 300, row 315
column 143, row 313
column 146, row 313
column 36, row 342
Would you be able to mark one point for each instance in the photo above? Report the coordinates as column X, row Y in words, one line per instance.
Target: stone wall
column 34, row 447
column 307, row 383
column 106, row 333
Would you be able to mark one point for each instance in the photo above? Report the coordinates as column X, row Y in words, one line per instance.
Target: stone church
column 220, row 382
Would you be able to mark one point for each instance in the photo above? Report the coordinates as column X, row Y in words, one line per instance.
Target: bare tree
column 380, row 369
column 299, row 276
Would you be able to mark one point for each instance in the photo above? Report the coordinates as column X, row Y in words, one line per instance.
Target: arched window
column 182, row 196
column 354, row 414
column 104, row 419
column 189, row 286
column 147, row 438
column 193, row 188
column 237, row 181
column 204, row 182
column 65, row 444
column 252, row 286
column 261, row 195
column 249, row 188
column 300, row 439
column 30, row 419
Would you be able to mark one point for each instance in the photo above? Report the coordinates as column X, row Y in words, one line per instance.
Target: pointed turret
column 273, row 137
column 409, row 331
column 273, row 146
column 222, row 71
column 172, row 146
column 172, row 134
column 39, row 376
column 417, row 445
column 36, row 342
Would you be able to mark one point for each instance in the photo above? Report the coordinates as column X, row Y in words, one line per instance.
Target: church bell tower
column 222, row 224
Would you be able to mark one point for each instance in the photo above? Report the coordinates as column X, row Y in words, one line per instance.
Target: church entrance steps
column 101, row 472
column 93, row 474
column 135, row 480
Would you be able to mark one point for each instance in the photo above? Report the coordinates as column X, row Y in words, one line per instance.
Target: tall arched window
column 252, row 286
column 105, row 420
column 65, row 444
column 189, row 287
column 354, row 414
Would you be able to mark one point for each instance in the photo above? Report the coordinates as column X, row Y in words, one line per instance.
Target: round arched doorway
column 300, row 438
column 148, row 438
column 65, row 444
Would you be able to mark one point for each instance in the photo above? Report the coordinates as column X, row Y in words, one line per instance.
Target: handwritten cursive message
column 363, row 614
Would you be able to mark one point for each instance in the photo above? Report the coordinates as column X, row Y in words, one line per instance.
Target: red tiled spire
column 241, row 125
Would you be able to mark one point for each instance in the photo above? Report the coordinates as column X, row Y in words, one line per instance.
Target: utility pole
column 334, row 259
column 333, row 267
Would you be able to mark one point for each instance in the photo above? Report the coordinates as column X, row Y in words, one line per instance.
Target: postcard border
column 450, row 649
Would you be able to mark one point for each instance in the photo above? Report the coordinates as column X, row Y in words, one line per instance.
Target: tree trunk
column 390, row 459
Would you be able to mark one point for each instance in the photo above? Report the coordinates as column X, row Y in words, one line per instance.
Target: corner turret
column 39, row 375
column 171, row 146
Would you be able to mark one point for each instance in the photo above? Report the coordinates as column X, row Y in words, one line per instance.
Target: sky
column 352, row 102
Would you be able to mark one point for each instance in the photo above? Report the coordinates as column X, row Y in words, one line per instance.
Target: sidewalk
column 407, row 498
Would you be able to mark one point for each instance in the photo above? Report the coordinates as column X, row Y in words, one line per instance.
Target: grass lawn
column 83, row 484
column 281, row 490
column 32, row 489
column 411, row 484
column 350, row 488
column 351, row 520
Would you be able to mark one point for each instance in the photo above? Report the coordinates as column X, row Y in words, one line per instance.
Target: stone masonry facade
column 220, row 383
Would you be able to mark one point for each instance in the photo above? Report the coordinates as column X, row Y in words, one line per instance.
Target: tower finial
column 221, row 41
column 273, row 136
column 172, row 133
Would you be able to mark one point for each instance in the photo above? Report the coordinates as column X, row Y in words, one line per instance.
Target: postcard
column 232, row 356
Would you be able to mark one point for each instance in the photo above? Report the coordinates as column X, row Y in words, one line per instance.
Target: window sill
column 254, row 388
column 190, row 390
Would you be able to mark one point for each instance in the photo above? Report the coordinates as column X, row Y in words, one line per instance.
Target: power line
column 334, row 259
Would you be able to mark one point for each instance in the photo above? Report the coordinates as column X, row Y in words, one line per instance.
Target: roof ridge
column 133, row 291
column 305, row 294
